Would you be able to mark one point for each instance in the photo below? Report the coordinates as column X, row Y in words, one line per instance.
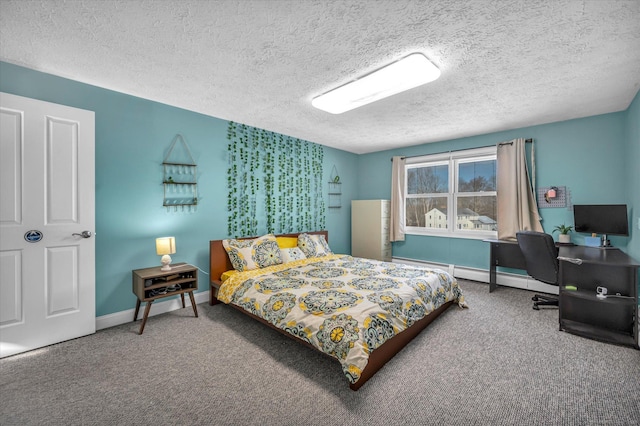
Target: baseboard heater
column 524, row 282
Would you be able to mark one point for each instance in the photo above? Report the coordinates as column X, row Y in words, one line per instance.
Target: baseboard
column 524, row 282
column 475, row 274
column 123, row 317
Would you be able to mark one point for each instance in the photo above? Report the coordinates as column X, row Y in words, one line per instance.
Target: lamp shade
column 165, row 245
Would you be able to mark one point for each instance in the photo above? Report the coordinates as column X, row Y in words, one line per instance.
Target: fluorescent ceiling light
column 409, row 72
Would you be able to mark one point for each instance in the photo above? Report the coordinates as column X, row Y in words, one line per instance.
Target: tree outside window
column 453, row 196
column 427, row 194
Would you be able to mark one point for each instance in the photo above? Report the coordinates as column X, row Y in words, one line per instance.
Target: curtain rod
column 465, row 149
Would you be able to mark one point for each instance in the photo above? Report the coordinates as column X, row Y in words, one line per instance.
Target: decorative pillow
column 227, row 274
column 246, row 255
column 287, row 242
column 313, row 245
column 291, row 254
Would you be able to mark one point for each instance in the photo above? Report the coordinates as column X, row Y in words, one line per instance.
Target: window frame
column 453, row 160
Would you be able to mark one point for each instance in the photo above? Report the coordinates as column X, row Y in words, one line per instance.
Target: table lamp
column 164, row 247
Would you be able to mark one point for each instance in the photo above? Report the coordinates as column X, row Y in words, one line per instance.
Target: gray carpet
column 498, row 362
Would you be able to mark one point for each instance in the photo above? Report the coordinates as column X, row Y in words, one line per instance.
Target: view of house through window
column 427, row 195
column 452, row 194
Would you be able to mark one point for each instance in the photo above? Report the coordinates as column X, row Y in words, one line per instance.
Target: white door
column 47, row 201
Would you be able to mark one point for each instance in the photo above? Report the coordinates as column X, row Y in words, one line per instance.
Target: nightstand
column 150, row 284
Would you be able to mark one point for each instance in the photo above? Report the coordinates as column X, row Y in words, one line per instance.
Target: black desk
column 506, row 254
column 612, row 319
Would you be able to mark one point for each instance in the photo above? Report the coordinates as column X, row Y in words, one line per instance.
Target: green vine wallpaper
column 274, row 183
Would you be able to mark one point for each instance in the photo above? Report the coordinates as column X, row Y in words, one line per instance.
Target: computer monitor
column 605, row 219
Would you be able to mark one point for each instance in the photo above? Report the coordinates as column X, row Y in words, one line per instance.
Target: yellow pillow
column 226, row 275
column 287, row 242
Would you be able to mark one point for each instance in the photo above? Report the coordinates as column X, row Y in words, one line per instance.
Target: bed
column 358, row 311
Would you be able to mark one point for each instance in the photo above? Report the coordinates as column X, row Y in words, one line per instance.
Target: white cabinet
column 370, row 229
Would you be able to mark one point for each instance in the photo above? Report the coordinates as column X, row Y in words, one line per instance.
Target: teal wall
column 596, row 158
column 632, row 167
column 132, row 137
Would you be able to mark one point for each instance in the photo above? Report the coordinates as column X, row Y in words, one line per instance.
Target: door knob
column 84, row 234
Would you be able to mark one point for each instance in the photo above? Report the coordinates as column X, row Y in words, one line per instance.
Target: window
column 452, row 194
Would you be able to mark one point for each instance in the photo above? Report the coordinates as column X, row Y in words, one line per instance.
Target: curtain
column 396, row 225
column 517, row 208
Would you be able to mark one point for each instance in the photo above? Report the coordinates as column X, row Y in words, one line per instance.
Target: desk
column 506, row 254
column 612, row 319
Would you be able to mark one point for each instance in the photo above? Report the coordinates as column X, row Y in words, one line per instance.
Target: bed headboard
column 219, row 261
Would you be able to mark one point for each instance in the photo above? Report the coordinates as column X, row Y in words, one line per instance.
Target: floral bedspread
column 344, row 306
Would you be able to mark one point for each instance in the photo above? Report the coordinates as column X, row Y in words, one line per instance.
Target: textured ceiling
column 505, row 64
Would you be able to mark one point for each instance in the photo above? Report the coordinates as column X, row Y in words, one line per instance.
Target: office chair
column 541, row 257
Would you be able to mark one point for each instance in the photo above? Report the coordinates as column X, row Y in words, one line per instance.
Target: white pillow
column 313, row 245
column 246, row 255
column 291, row 254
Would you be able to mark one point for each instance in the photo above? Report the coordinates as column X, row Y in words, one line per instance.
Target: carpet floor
column 497, row 363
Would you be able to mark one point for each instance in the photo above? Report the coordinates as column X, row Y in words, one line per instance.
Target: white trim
column 475, row 274
column 436, row 232
column 123, row 317
column 453, row 160
column 524, row 282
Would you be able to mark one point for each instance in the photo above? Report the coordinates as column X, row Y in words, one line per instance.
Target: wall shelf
column 180, row 178
column 335, row 195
